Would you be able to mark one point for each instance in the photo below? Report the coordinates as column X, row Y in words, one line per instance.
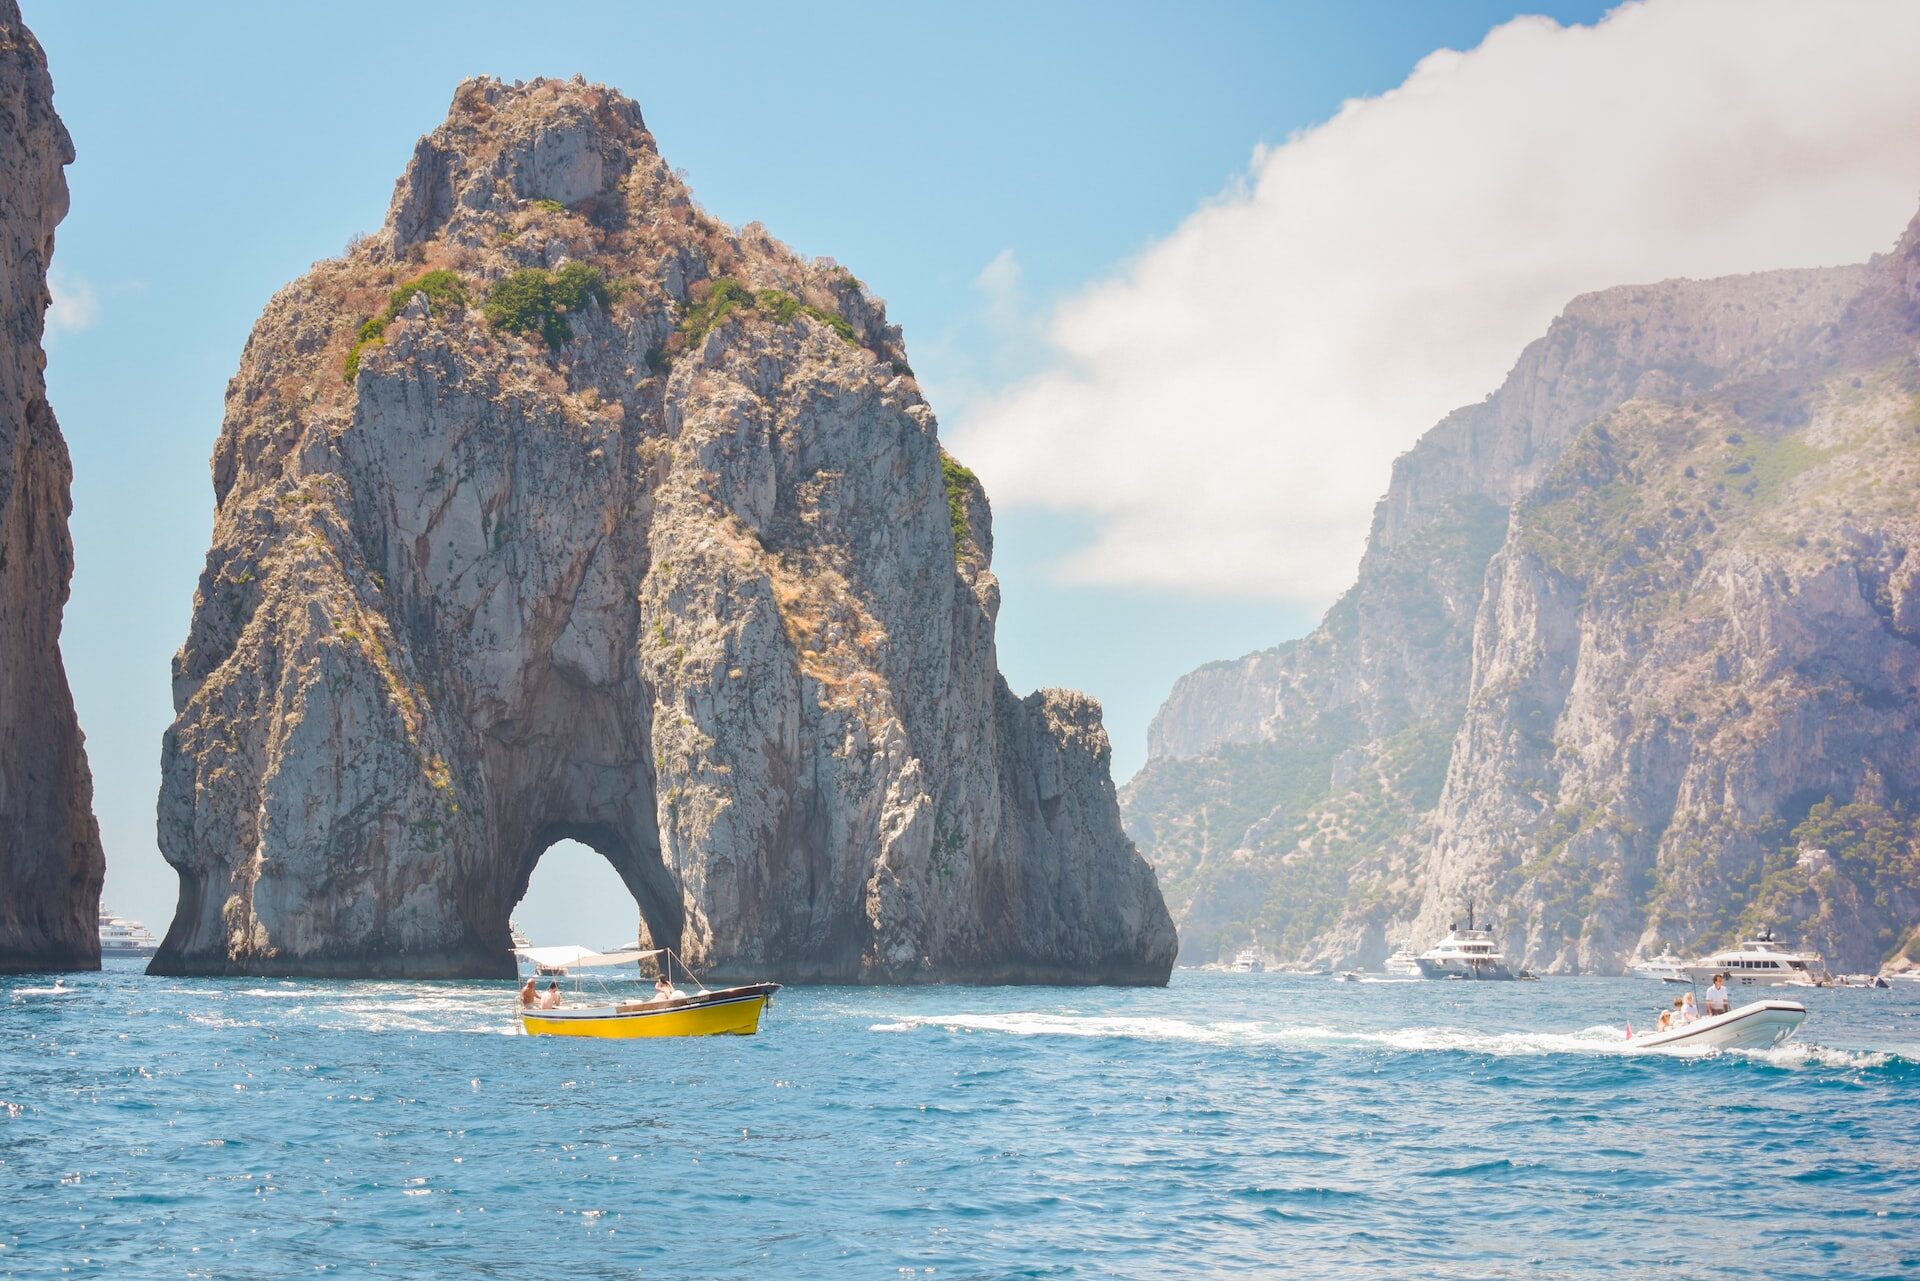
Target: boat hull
column 1450, row 968
column 1751, row 1027
column 733, row 1011
column 1703, row 976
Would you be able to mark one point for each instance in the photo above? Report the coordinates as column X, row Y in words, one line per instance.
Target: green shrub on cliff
column 534, row 300
column 959, row 479
column 728, row 295
column 444, row 290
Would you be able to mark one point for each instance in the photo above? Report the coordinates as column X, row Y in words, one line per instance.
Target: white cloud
column 75, row 306
column 1227, row 407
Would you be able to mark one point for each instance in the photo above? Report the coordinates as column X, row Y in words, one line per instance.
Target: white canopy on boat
column 578, row 958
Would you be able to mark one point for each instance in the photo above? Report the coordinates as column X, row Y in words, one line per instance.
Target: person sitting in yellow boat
column 529, row 998
column 664, row 990
column 550, row 999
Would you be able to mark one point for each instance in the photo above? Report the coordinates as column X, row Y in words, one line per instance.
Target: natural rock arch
column 681, row 568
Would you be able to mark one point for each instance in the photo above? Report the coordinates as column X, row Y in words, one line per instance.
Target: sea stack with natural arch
column 557, row 508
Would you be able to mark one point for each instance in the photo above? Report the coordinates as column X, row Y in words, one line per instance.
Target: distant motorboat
column 1249, row 960
column 1751, row 1027
column 1759, row 962
column 1667, row 967
column 121, row 937
column 1403, row 964
column 1464, row 954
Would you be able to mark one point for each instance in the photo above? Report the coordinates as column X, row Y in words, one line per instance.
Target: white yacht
column 1666, row 967
column 1402, row 964
column 1464, row 954
column 120, row 937
column 1759, row 962
column 1249, row 960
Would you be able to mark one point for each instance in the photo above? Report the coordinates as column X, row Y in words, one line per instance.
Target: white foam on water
column 1590, row 1040
column 1805, row 1054
column 1600, row 1039
column 19, row 992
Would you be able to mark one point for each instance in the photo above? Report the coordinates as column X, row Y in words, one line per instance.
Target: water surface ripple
column 1246, row 1124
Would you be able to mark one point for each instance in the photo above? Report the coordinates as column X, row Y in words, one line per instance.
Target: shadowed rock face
column 50, row 859
column 684, row 579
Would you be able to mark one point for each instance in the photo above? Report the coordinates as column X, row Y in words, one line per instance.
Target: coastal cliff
column 50, row 859
column 1628, row 661
column 558, row 509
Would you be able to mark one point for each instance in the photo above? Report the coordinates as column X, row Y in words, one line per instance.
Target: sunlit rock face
column 1632, row 662
column 667, row 560
column 50, row 859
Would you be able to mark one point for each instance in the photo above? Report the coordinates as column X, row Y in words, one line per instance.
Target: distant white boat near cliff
column 1666, row 967
column 121, row 937
column 1464, row 954
column 1759, row 962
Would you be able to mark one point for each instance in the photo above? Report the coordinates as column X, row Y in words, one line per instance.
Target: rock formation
column 1631, row 659
column 50, row 860
column 556, row 508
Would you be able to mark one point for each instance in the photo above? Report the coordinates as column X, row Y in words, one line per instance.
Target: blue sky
column 225, row 147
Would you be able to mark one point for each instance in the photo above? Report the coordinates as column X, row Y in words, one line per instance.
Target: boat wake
column 1600, row 1039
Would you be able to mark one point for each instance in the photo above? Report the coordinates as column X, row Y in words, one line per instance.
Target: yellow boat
column 727, row 1011
column 734, row 1010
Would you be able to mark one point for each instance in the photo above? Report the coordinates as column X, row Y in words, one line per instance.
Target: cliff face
column 558, row 509
column 50, row 860
column 1626, row 654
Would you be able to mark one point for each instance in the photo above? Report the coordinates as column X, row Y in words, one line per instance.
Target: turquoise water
column 1232, row 1124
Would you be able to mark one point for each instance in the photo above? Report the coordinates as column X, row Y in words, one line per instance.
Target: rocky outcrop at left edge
column 50, row 859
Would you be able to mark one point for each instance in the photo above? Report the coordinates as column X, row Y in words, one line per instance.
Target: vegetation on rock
column 726, row 297
column 960, row 481
column 442, row 289
column 534, row 300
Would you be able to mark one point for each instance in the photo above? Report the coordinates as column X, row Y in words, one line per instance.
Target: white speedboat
column 120, row 937
column 1751, row 1027
column 1249, row 960
column 1758, row 962
column 1464, row 954
column 1666, row 967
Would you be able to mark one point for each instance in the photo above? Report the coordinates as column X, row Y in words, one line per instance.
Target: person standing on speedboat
column 1719, row 1000
column 1689, row 1012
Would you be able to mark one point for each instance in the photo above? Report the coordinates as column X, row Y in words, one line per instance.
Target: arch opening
column 585, row 886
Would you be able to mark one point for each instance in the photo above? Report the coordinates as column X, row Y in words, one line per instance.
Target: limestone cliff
column 50, row 859
column 557, row 508
column 1623, row 659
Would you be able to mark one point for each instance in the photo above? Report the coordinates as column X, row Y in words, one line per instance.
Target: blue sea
column 1243, row 1125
